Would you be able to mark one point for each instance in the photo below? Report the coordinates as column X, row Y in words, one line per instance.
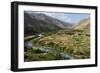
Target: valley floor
column 57, row 45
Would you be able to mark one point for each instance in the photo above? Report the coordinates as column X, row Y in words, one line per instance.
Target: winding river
column 28, row 44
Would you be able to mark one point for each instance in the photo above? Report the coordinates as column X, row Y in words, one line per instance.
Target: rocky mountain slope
column 83, row 24
column 38, row 22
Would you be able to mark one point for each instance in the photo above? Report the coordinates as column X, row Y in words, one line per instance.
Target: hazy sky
column 67, row 17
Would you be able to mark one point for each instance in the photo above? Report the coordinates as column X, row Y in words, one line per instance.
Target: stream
column 28, row 45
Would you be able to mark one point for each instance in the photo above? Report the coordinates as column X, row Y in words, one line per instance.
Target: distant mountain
column 38, row 22
column 83, row 24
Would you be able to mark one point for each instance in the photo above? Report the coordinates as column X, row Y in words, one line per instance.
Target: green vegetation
column 75, row 43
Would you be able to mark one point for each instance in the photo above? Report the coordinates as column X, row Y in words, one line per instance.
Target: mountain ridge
column 39, row 22
column 83, row 24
